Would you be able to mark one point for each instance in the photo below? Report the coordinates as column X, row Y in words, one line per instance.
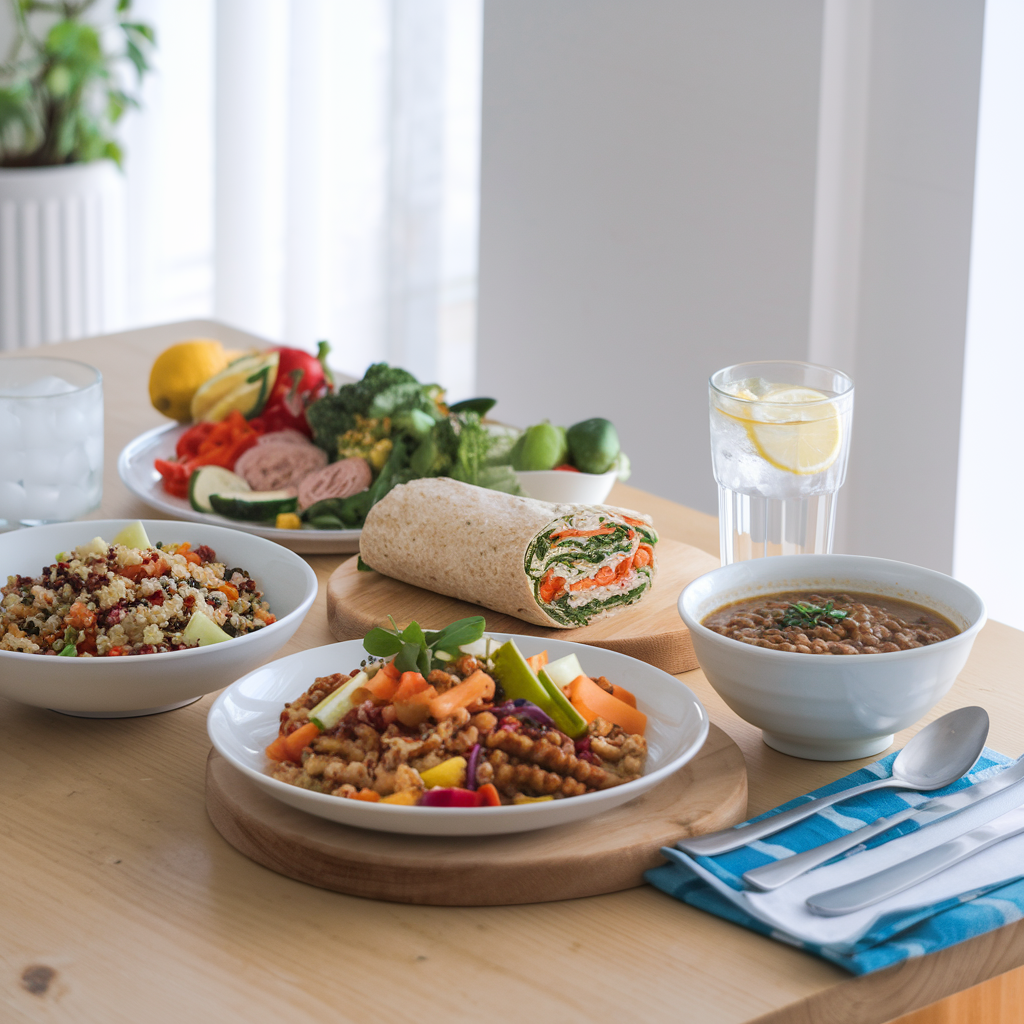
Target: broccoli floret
column 335, row 414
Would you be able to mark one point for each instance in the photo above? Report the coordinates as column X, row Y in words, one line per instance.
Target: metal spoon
column 939, row 754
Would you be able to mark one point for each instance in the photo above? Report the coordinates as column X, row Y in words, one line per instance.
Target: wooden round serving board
column 602, row 854
column 651, row 630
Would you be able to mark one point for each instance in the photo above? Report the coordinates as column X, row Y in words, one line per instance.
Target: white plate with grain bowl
column 145, row 684
column 245, row 718
column 135, row 466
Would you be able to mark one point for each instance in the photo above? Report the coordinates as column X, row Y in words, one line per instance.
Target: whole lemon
column 179, row 371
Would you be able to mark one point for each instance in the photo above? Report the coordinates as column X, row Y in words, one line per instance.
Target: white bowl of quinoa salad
column 95, row 629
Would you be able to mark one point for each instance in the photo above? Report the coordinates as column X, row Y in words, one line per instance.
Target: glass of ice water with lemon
column 51, row 440
column 780, row 440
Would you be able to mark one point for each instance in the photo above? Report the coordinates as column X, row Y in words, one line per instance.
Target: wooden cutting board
column 651, row 630
column 602, row 854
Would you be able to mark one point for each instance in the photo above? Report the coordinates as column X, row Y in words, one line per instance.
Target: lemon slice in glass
column 795, row 429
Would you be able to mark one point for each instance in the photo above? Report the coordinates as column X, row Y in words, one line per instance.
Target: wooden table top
column 122, row 903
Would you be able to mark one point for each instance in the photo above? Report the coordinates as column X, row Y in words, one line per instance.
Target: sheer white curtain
column 307, row 169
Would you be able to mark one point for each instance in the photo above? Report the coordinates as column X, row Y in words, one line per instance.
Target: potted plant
column 64, row 84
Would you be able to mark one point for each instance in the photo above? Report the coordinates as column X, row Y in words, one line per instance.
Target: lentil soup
column 830, row 622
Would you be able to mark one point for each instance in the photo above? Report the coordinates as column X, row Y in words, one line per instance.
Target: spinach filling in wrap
column 590, row 561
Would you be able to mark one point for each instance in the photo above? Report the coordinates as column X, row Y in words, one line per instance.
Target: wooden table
column 120, row 902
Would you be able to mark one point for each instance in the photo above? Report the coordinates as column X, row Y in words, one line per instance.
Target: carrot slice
column 229, row 590
column 644, row 555
column 296, row 741
column 475, row 687
column 621, row 693
column 410, row 683
column 581, row 533
column 488, row 795
column 276, row 751
column 388, row 669
column 592, row 702
column 371, row 796
column 538, row 661
column 383, row 685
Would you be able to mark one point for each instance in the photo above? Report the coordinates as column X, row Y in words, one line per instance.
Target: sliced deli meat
column 278, row 466
column 338, row 480
column 555, row 565
column 286, row 436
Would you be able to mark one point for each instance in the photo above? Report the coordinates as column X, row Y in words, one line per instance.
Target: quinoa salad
column 106, row 600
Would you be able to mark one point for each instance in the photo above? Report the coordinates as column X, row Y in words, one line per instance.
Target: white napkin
column 785, row 908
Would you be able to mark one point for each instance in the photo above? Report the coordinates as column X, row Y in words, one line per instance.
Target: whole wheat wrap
column 555, row 565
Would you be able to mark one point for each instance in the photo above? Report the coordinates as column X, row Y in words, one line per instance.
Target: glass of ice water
column 780, row 440
column 51, row 440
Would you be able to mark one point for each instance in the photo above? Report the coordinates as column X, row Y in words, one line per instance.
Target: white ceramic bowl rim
column 772, row 584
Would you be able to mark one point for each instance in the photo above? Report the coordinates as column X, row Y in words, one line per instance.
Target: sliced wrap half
column 555, row 565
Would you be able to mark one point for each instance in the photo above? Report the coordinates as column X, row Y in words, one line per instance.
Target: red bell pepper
column 301, row 379
column 176, row 476
column 207, row 444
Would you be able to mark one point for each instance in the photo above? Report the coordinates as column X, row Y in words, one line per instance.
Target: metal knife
column 865, row 891
column 771, row 876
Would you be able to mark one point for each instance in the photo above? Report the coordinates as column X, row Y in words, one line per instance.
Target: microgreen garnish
column 807, row 616
column 415, row 650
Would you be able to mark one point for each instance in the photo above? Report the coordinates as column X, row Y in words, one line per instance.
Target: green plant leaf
column 138, row 58
column 146, row 31
column 407, row 659
column 381, row 643
column 412, row 634
column 455, row 634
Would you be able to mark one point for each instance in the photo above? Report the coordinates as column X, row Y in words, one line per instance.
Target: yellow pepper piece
column 448, row 774
column 520, row 799
column 405, row 797
column 288, row 521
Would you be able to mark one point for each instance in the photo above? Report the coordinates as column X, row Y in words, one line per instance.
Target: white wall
column 648, row 203
column 647, row 190
column 924, row 74
column 989, row 556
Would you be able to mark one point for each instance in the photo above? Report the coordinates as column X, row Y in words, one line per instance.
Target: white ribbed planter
column 62, row 253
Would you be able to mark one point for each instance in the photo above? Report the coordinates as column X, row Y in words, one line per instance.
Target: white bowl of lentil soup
column 830, row 655
column 99, row 630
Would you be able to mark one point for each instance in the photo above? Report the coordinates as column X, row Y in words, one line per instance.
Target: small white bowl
column 246, row 717
column 840, row 707
column 149, row 683
column 566, row 486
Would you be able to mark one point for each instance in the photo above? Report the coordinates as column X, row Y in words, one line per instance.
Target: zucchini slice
column 207, row 480
column 253, row 506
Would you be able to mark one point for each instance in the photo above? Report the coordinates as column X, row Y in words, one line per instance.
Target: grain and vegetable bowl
column 451, row 723
column 129, row 597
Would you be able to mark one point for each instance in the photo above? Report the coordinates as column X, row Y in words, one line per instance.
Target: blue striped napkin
column 897, row 936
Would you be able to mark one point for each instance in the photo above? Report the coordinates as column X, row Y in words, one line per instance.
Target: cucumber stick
column 333, row 708
column 563, row 671
column 519, row 682
column 577, row 724
column 208, row 480
column 254, row 506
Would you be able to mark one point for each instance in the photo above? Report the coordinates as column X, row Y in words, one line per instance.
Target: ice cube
column 41, row 387
column 12, row 465
column 44, row 501
column 13, row 505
